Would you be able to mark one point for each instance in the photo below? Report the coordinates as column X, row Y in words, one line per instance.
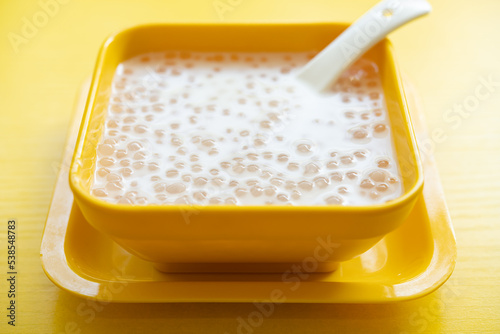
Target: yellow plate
column 408, row 263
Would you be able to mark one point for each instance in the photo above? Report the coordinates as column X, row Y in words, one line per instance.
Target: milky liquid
column 221, row 128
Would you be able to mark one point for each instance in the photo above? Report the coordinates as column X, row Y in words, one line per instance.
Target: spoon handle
column 373, row 26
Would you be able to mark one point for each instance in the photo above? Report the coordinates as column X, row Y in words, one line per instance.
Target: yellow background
column 445, row 56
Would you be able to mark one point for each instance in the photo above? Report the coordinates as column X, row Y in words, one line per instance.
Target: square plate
column 408, row 263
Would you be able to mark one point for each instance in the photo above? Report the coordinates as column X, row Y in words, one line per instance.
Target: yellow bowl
column 240, row 238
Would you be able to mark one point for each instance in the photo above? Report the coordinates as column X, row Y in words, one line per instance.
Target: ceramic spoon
column 374, row 25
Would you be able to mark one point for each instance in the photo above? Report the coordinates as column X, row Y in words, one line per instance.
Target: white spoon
column 374, row 25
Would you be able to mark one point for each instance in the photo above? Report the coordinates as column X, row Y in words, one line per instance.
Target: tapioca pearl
column 160, row 187
column 187, row 178
column 126, row 172
column 253, row 156
column 129, row 119
column 107, row 162
column 241, row 192
column 380, row 128
column 295, row 195
column 99, row 192
column 208, row 142
column 256, row 191
column 365, row 116
column 161, row 197
column 274, row 103
column 126, row 128
column 277, row 181
column 214, row 171
column 213, row 151
column 265, row 124
column 290, row 185
column 374, row 95
column 266, row 174
column 283, row 157
column 333, row 154
column 267, row 155
column 273, row 116
column 392, row 180
column 244, row 133
column 225, row 164
column 279, row 138
column 374, row 195
column 334, row 200
column 332, row 164
column 359, row 134
column 194, row 158
column 343, row 190
column 105, row 149
column 180, row 165
column 282, row 197
column 114, row 186
column 183, row 200
column 182, row 150
column 270, row 191
column 360, row 154
column 336, row 176
column 311, row 169
column 259, row 142
column 120, row 154
column 218, row 181
column 140, row 129
column 367, row 184
column 200, row 181
column 172, row 173
column 137, row 165
column 233, row 183
column 200, row 195
column 172, row 158
column 378, row 176
column 378, row 112
column 215, row 201
column 383, row 163
column 253, row 168
column 293, row 166
column 139, row 155
column 113, row 177
column 133, row 183
column 238, row 159
column 134, row 146
column 155, row 178
column 110, row 141
column 346, row 160
column 158, row 107
column 176, row 188
column 117, row 109
column 196, row 168
column 382, row 187
column 352, row 175
column 305, row 185
column 349, row 114
column 141, row 200
column 160, row 133
column 304, row 148
column 125, row 200
column 321, row 182
column 102, row 172
column 125, row 162
column 176, row 141
column 239, row 168
column 230, row 201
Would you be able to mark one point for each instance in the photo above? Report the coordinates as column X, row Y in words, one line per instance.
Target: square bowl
column 187, row 238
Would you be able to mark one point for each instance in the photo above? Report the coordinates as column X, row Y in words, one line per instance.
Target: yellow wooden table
column 48, row 47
